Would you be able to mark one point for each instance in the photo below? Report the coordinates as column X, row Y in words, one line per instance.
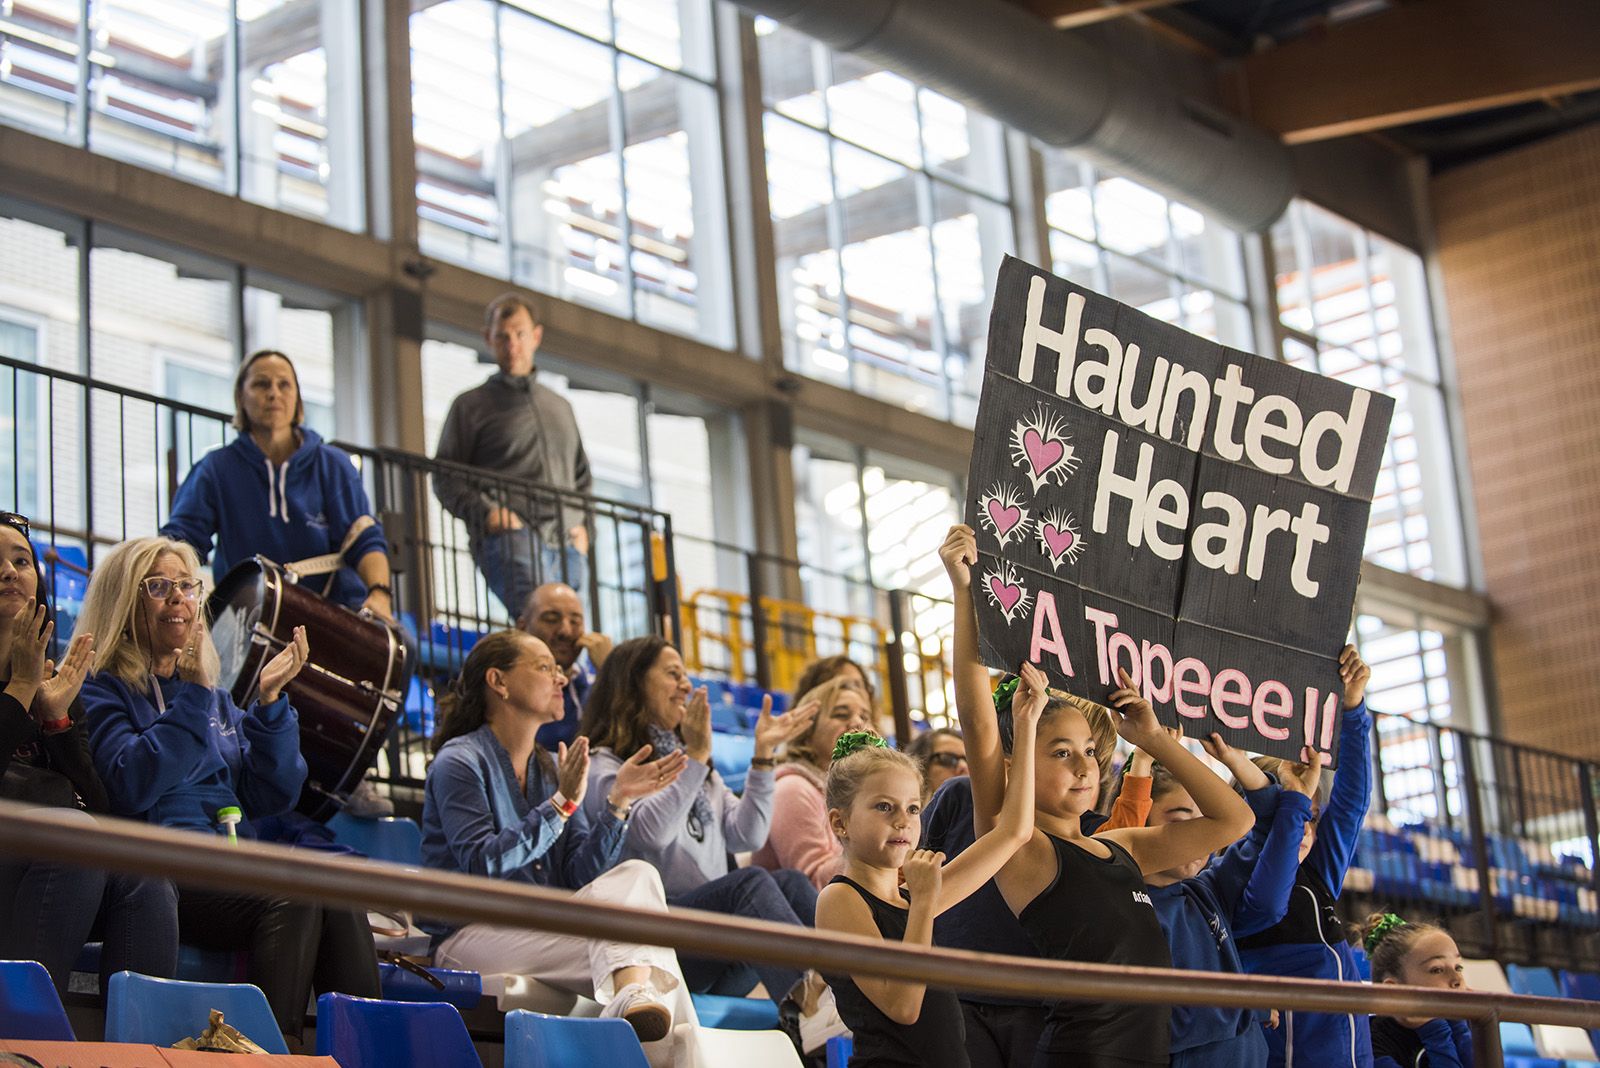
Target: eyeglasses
column 160, row 588
column 947, row 760
column 552, row 669
column 18, row 522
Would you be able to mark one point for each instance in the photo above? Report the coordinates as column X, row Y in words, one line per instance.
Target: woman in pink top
column 800, row 837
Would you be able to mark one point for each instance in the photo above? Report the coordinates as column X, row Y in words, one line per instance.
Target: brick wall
column 1519, row 248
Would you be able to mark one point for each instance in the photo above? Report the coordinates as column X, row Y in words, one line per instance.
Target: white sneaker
column 638, row 1004
column 825, row 1023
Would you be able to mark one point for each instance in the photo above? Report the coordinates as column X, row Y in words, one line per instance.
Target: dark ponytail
column 463, row 707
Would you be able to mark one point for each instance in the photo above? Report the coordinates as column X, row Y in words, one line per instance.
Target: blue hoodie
column 178, row 767
column 285, row 512
column 1246, row 889
column 1310, row 942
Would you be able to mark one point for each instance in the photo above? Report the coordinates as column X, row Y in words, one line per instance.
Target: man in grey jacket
column 517, row 431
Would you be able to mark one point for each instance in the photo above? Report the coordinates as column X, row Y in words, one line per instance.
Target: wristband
column 621, row 812
column 56, row 726
column 378, row 587
column 563, row 806
column 763, row 762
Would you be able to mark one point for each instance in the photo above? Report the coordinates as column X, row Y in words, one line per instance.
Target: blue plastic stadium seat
column 534, row 1040
column 1584, row 986
column 1516, row 1043
column 462, row 989
column 1539, row 982
column 421, row 709
column 162, row 1012
column 839, row 1050
column 30, row 1009
column 730, row 756
column 392, row 838
column 1363, row 965
column 736, row 1014
column 368, row 1033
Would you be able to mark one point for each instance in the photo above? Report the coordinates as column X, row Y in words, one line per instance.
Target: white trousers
column 581, row 965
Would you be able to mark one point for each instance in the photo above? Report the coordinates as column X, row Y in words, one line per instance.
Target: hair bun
column 854, row 741
column 1380, row 930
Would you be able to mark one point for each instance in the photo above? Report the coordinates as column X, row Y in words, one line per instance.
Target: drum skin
column 347, row 694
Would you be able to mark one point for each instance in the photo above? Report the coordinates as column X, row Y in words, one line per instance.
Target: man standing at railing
column 521, row 431
column 554, row 615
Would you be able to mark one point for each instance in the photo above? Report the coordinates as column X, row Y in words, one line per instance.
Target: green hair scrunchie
column 1380, row 931
column 1004, row 692
column 854, row 741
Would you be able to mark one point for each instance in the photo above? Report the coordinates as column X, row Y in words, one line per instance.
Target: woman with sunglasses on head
column 49, row 910
column 172, row 748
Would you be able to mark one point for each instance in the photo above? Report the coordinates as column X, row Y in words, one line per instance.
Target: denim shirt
column 475, row 820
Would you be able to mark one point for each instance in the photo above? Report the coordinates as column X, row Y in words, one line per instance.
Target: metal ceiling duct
column 1060, row 89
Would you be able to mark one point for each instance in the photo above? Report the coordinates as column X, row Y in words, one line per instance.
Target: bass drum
column 347, row 694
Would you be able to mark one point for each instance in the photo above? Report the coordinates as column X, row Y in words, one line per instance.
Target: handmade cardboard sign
column 1148, row 499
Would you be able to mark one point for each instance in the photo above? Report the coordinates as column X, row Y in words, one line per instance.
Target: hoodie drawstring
column 278, row 490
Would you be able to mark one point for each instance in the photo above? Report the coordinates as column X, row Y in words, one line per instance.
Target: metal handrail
column 307, row 875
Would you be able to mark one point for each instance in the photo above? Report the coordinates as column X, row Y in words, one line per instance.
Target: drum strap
column 321, row 565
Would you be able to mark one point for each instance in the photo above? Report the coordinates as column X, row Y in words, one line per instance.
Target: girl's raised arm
column 1224, row 818
column 980, row 728
column 979, row 862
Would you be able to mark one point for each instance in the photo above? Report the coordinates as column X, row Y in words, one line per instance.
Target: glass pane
column 457, row 128
column 828, row 521
column 1207, row 252
column 673, row 33
column 301, row 137
column 1132, row 219
column 39, row 67
column 165, row 327
column 800, row 191
column 673, row 165
column 1075, row 260
column 565, row 181
column 907, row 519
column 959, row 141
column 888, row 280
column 591, row 17
column 970, row 235
column 158, row 86
column 793, row 72
column 875, row 109
column 1068, row 204
column 23, row 436
column 1147, row 289
column 680, row 479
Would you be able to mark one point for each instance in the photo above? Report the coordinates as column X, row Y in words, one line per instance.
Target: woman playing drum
column 172, row 748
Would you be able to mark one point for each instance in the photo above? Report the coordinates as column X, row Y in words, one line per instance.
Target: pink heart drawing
column 1004, row 517
column 1007, row 594
column 1058, row 541
column 1042, row 455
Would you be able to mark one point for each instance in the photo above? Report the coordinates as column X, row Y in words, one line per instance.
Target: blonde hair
column 846, row 774
column 826, row 695
column 114, row 601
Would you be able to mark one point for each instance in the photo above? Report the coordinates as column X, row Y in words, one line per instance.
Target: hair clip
column 1381, row 930
column 854, row 741
column 1004, row 692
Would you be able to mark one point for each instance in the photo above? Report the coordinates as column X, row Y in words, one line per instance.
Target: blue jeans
column 49, row 910
column 782, row 896
column 506, row 560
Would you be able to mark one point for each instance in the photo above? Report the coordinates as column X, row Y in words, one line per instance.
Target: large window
column 261, row 98
column 890, row 215
column 574, row 148
column 1355, row 307
column 1116, row 237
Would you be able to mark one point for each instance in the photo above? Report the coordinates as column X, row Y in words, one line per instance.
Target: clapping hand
column 57, row 693
column 696, row 726
column 30, row 640
column 572, row 769
column 637, row 780
column 277, row 672
column 772, row 731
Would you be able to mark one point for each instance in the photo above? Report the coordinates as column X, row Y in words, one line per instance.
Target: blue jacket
column 1436, row 1044
column 202, row 754
column 297, row 509
column 1310, row 942
column 1246, row 887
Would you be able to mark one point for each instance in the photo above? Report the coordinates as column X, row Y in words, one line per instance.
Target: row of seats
column 357, row 1032
column 1436, row 865
column 1541, row 1045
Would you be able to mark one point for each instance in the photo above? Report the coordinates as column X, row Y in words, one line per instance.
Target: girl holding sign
column 1081, row 898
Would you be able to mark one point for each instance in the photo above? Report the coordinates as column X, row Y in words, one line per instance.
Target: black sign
column 1149, row 499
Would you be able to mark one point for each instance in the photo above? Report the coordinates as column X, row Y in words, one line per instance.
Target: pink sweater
column 800, row 836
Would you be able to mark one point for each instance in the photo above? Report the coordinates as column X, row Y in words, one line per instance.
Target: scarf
column 663, row 743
